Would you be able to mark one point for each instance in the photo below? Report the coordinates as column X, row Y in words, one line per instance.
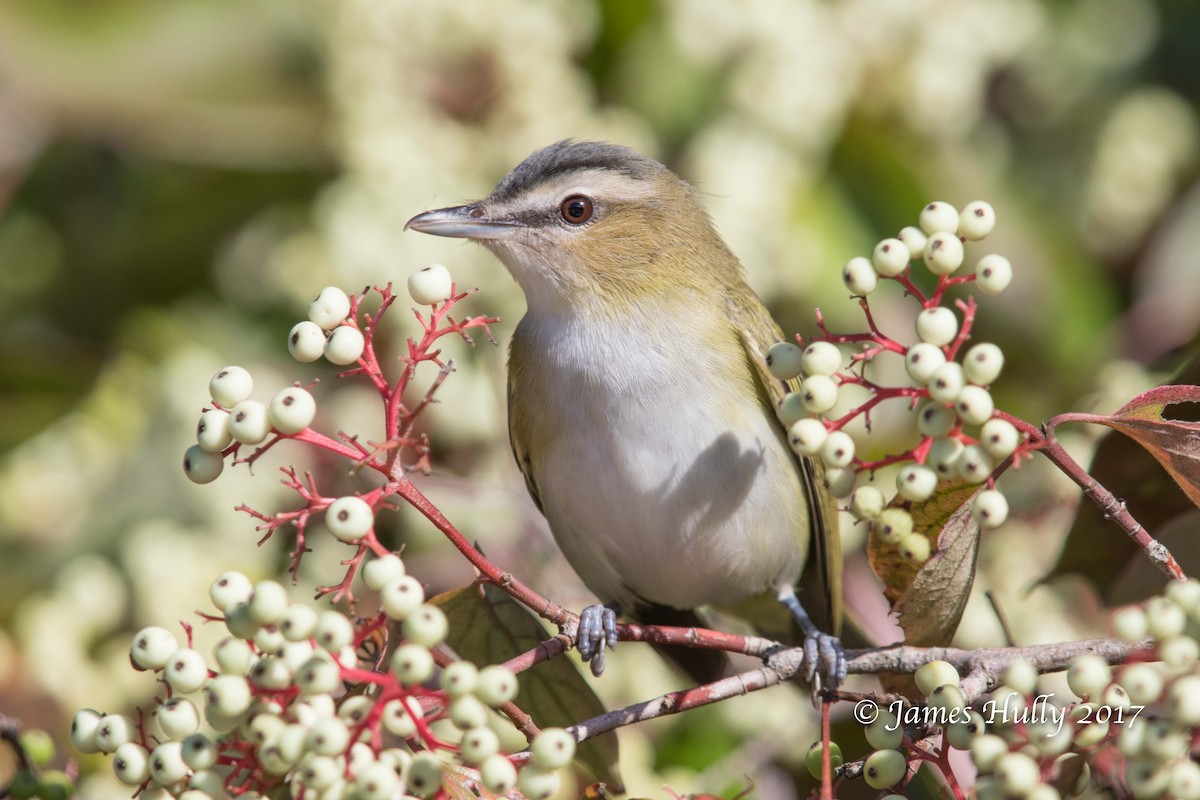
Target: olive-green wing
column 518, row 434
column 820, row 587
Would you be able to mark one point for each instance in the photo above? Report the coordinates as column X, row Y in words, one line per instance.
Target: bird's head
column 586, row 224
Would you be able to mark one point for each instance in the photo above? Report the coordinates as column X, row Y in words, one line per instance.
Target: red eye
column 576, row 209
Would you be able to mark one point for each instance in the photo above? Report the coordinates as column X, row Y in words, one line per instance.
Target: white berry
column 380, row 570
column 860, row 276
column 783, row 360
column 990, row 509
column 807, row 435
column 999, row 438
column 946, row 382
column 349, row 518
column 401, row 596
column 974, row 404
column 982, row 363
column 230, row 386
column 152, row 647
column 976, row 221
column 212, row 431
column 914, row 239
column 936, row 420
column 938, row 217
column 937, row 325
column 943, row 455
column 993, row 273
column 229, row 589
column 916, row 482
column 891, row 257
column 867, row 502
column 330, row 308
column 306, row 341
column 821, row 358
column 345, row 345
column 248, row 422
column 819, row 393
column 974, row 465
column 291, row 410
column 553, row 748
column 838, row 449
column 840, row 481
column 201, row 466
column 430, row 285
column 922, row 360
column 943, row 253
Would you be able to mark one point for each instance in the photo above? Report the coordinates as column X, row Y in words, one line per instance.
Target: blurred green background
column 179, row 177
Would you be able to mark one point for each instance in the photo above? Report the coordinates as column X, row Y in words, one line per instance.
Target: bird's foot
column 597, row 633
column 824, row 662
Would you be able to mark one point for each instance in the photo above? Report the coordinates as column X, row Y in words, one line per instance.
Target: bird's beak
column 463, row 222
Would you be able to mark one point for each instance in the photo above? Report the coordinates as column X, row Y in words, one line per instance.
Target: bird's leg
column 824, row 656
column 597, row 631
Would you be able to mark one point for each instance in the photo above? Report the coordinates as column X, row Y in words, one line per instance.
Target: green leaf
column 489, row 627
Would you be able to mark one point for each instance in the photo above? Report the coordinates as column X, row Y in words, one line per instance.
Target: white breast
column 663, row 479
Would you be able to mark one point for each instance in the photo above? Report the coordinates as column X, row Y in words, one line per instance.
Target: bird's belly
column 662, row 499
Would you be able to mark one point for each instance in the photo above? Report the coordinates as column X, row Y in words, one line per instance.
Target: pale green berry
column 840, row 481
column 867, row 502
column 976, row 220
column 982, row 364
column 427, row 626
column 821, row 358
column 807, row 436
column 993, row 273
column 815, row 756
column 819, row 393
column 913, row 239
column 1147, row 779
column 1184, row 781
column 974, row 465
column 946, row 382
column 329, row 308
column 974, row 405
column 1179, row 652
column 552, row 748
column 934, row 674
column 467, row 712
column 1165, row 739
column 922, row 360
column 430, row 285
column 166, row 764
column 942, row 457
column 943, row 253
column 884, row 768
column 936, row 419
column 233, row 656
column 377, row 572
column 177, row 718
column 248, row 422
column 345, row 345
column 212, row 431
column 937, row 326
column 1164, row 618
column 201, row 466
column 916, row 482
column 376, row 782
column 885, row 732
column 268, row 602
column 262, row 727
column 948, row 697
column 401, row 596
column 893, row 524
column 838, row 449
column 412, row 664
column 987, row 750
column 990, row 509
column 298, row 622
column 1184, row 700
column 152, row 647
column 784, row 360
column 1089, row 675
column 291, row 410
column 791, row 408
column 227, row 696
column 497, row 685
column 353, row 710
column 937, row 217
column 1129, row 623
column 1090, row 728
column 1116, row 697
column 537, row 784
column 113, row 731
column 239, row 622
column 399, row 717
column 328, row 737
column 334, row 631
column 459, row 678
column 349, row 518
column 1143, row 683
column 1018, row 773
column 960, row 734
column 498, row 774
column 270, row 672
column 914, row 549
column 999, row 438
column 318, row 675
column 1022, row 676
column 425, row 774
column 397, row 758
column 1185, row 594
column 306, row 341
column 230, row 386
column 229, row 589
column 131, row 764
column 891, row 256
column 319, row 772
column 477, row 744
column 859, row 276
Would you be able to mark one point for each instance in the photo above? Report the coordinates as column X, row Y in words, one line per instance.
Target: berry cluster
column 948, row 383
column 298, row 697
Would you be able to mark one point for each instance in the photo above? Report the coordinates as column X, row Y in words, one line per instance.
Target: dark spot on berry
column 979, row 212
column 289, row 400
column 241, row 416
column 343, row 515
column 295, row 338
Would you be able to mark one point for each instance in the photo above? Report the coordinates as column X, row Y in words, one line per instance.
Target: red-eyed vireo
column 640, row 408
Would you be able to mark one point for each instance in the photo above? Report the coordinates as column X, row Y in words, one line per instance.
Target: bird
column 642, row 413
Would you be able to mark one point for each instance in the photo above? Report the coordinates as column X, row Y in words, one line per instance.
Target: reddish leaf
column 1173, row 443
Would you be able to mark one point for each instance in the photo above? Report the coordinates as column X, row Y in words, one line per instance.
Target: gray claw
column 825, row 662
column 597, row 631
